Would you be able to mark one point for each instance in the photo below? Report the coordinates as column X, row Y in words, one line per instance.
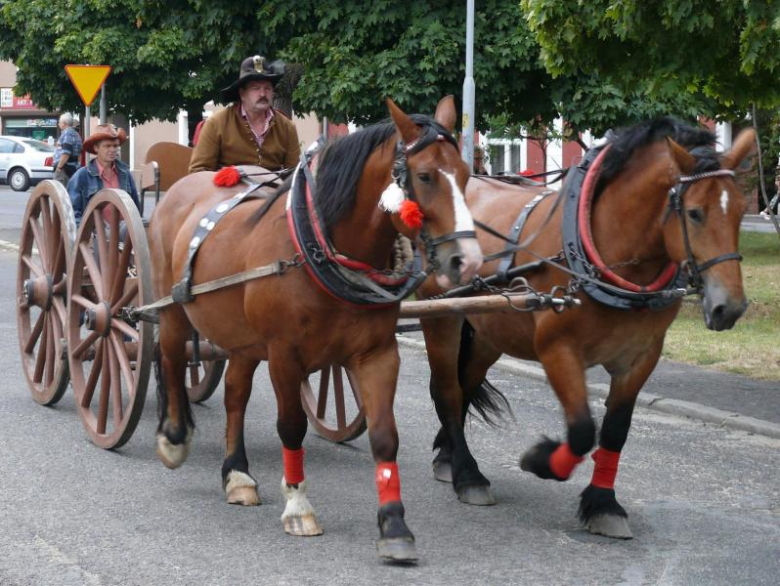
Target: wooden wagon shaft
column 486, row 304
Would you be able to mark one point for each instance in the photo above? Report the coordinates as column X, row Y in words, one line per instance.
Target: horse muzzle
column 459, row 262
column 721, row 309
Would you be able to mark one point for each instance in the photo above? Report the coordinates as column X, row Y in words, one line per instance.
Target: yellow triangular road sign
column 87, row 79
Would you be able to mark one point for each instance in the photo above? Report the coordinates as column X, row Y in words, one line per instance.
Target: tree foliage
column 724, row 54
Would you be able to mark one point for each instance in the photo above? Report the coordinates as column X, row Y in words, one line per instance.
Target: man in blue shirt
column 67, row 150
column 105, row 170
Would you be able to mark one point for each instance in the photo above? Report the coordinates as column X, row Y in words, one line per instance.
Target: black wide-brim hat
column 253, row 69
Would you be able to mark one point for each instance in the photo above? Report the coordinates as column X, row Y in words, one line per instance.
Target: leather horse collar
column 348, row 280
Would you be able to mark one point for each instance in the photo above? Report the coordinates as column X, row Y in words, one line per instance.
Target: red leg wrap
column 293, row 465
column 563, row 461
column 388, row 482
column 606, row 468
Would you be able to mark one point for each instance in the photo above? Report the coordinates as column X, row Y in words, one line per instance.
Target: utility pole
column 468, row 89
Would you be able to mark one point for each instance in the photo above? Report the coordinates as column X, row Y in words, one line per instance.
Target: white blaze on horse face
column 463, row 219
column 724, row 201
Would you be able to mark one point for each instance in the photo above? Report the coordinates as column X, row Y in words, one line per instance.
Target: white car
column 24, row 160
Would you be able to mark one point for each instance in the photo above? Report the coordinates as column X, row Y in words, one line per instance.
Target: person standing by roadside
column 106, row 170
column 67, row 150
column 773, row 202
column 251, row 131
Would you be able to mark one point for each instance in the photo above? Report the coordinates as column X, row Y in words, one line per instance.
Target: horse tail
column 484, row 399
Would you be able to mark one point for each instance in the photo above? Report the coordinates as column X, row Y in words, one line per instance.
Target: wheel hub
column 99, row 319
column 38, row 292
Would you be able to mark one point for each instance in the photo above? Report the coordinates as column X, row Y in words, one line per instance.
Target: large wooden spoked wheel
column 109, row 357
column 346, row 419
column 202, row 379
column 48, row 233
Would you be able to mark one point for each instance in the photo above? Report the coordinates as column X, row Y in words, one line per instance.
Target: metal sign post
column 468, row 90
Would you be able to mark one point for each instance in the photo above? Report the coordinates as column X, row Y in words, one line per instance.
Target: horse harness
column 349, row 280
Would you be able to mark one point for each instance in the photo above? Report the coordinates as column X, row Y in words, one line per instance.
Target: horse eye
column 424, row 177
column 696, row 215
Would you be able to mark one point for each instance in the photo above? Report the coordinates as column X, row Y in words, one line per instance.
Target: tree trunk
column 283, row 94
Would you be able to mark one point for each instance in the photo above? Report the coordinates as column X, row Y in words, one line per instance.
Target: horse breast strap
column 517, row 229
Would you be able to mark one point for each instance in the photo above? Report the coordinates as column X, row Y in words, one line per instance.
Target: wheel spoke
column 59, row 308
column 40, row 359
column 125, row 300
column 39, row 243
column 92, row 269
column 113, row 251
column 338, row 394
column 194, row 375
column 116, row 384
column 120, row 276
column 355, row 392
column 123, row 327
column 36, row 333
column 84, row 345
column 47, row 229
column 83, row 302
column 49, row 369
column 124, row 362
column 97, row 366
column 34, row 268
column 105, row 387
column 102, row 243
column 322, row 396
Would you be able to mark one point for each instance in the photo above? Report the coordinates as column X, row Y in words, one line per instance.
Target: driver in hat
column 250, row 131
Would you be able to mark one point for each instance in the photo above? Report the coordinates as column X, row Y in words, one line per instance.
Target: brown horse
column 294, row 321
column 643, row 233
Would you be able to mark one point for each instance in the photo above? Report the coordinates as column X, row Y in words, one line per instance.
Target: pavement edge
column 647, row 400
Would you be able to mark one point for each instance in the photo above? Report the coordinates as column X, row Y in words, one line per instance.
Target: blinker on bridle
column 400, row 176
column 676, row 194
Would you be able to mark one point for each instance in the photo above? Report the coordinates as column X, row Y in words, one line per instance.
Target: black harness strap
column 182, row 291
column 517, row 228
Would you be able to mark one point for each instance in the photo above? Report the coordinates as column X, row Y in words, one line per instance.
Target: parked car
column 24, row 161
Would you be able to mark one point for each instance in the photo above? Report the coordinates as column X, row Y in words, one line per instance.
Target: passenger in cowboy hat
column 105, row 170
column 250, row 131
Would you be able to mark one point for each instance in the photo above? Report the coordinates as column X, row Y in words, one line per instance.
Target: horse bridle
column 400, row 175
column 676, row 203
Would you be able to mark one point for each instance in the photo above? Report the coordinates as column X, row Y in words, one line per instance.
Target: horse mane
column 341, row 165
column 625, row 142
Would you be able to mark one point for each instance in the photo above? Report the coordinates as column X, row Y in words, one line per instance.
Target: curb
column 9, row 246
column 647, row 400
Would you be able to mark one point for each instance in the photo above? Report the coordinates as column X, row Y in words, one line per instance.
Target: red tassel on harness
column 411, row 214
column 227, row 177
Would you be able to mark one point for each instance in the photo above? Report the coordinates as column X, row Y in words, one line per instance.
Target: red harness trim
column 388, row 482
column 606, row 468
column 563, row 461
column 584, row 223
column 293, row 465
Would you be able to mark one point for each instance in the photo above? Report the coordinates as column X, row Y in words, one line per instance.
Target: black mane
column 700, row 141
column 341, row 165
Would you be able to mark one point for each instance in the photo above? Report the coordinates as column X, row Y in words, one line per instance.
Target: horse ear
column 445, row 113
column 406, row 127
column 742, row 147
column 685, row 160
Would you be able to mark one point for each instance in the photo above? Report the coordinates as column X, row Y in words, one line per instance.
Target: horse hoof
column 306, row 526
column 397, row 550
column 244, row 495
column 172, row 455
column 479, row 495
column 442, row 471
column 610, row 526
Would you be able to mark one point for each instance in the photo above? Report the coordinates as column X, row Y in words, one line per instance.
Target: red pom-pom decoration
column 227, row 177
column 527, row 173
column 411, row 214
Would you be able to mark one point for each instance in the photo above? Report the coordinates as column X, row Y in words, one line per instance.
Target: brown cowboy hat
column 253, row 68
column 103, row 132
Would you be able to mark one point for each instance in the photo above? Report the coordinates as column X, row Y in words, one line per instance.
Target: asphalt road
column 703, row 500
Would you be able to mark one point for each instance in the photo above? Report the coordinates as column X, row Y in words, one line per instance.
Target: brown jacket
column 227, row 139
